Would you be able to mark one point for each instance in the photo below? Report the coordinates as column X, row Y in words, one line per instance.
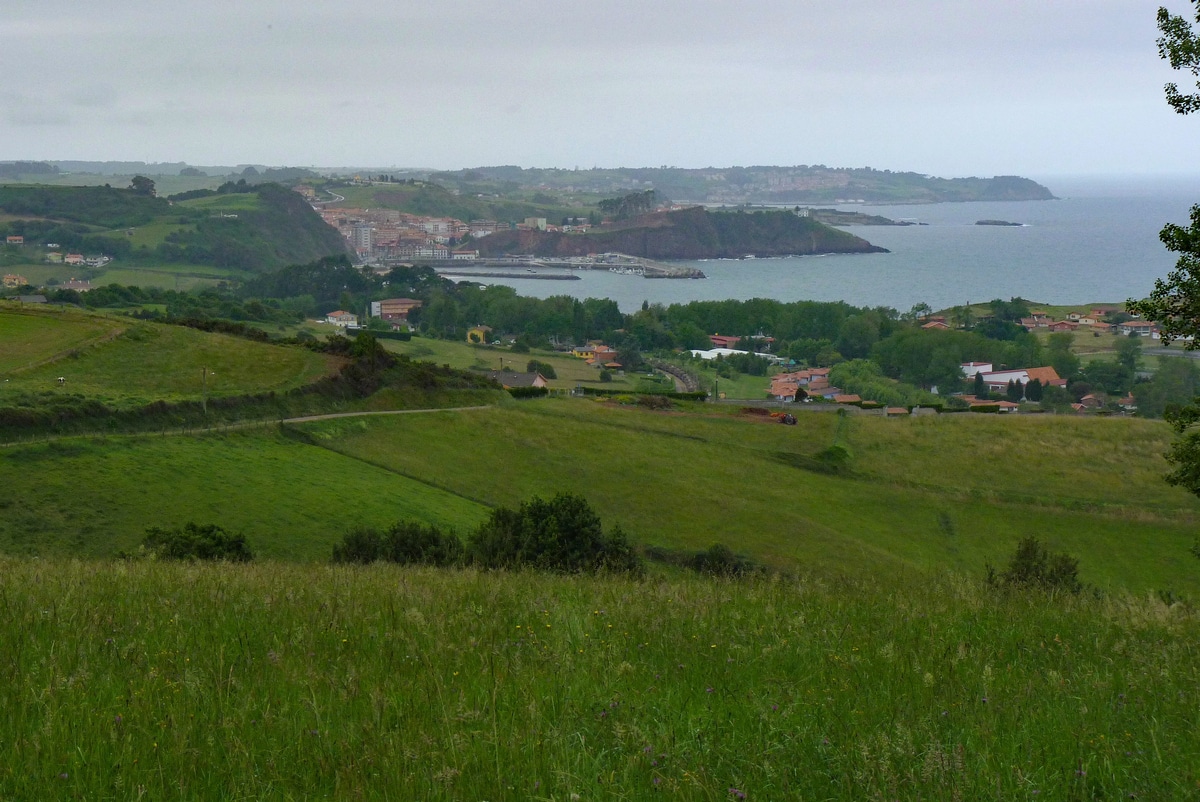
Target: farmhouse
column 509, row 379
column 478, row 334
column 341, row 318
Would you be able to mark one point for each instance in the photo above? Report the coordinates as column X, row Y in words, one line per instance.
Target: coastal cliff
column 687, row 234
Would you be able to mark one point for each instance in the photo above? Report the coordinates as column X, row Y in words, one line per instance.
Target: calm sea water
column 1098, row 243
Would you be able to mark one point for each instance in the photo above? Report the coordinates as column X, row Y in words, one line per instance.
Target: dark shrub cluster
column 720, row 560
column 196, row 542
column 562, row 534
column 1032, row 566
column 406, row 543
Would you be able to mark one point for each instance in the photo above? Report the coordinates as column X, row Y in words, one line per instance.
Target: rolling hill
column 245, row 228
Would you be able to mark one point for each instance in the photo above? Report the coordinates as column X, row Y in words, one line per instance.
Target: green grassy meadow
column 925, row 493
column 34, row 335
column 275, row 681
column 570, row 371
column 126, row 363
column 95, row 497
column 873, row 663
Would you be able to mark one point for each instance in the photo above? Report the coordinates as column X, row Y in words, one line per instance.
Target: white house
column 341, row 318
column 969, row 369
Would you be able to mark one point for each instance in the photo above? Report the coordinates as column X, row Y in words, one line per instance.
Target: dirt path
column 243, row 424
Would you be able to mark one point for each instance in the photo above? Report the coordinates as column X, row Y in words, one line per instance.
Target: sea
column 1097, row 243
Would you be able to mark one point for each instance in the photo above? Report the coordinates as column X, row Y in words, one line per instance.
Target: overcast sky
column 947, row 87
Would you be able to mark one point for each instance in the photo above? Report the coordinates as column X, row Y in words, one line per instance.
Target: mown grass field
column 276, row 681
column 33, row 335
column 144, row 363
column 569, row 371
column 933, row 493
column 95, row 497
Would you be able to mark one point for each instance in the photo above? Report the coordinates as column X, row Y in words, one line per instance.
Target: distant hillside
column 434, row 200
column 688, row 234
column 758, row 184
column 246, row 228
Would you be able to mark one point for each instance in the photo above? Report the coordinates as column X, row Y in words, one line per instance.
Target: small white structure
column 969, row 369
column 713, row 353
column 341, row 318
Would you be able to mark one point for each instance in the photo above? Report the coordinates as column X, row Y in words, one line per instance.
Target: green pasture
column 231, row 202
column 952, row 492
column 164, row 184
column 95, row 497
column 570, row 371
column 31, row 335
column 146, row 362
column 153, row 234
column 166, row 276
column 276, row 681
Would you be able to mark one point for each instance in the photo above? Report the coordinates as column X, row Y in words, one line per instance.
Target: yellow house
column 478, row 334
column 584, row 351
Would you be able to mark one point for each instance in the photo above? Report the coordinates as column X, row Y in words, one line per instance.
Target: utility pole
column 204, row 390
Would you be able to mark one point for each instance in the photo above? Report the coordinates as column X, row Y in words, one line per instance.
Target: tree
column 1175, row 301
column 980, row 386
column 1014, row 391
column 1129, row 352
column 1033, row 390
column 143, row 186
column 1177, row 381
column 1181, row 47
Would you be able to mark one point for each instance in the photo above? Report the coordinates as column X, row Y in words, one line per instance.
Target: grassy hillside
column 126, row 363
column 34, row 335
column 437, row 201
column 90, row 498
column 295, row 682
column 922, row 493
column 248, row 229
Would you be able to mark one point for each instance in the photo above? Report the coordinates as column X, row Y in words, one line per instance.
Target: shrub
column 196, row 542
column 654, row 402
column 562, row 534
column 605, row 376
column 405, row 543
column 1033, row 566
column 544, row 368
column 719, row 560
column 528, row 392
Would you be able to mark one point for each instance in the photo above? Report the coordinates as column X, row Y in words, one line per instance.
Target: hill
column 244, row 228
column 135, row 363
column 687, row 234
column 754, row 184
column 433, row 200
column 919, row 495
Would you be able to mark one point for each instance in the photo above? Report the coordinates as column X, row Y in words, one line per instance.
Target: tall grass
column 273, row 681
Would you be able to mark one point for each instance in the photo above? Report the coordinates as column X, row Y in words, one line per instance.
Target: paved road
column 1172, row 352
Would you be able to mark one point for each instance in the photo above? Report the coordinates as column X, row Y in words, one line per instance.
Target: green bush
column 544, row 368
column 528, row 392
column 405, row 543
column 719, row 560
column 1033, row 566
column 196, row 542
column 562, row 534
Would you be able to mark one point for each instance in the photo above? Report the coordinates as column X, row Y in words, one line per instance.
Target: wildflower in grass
column 737, row 793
